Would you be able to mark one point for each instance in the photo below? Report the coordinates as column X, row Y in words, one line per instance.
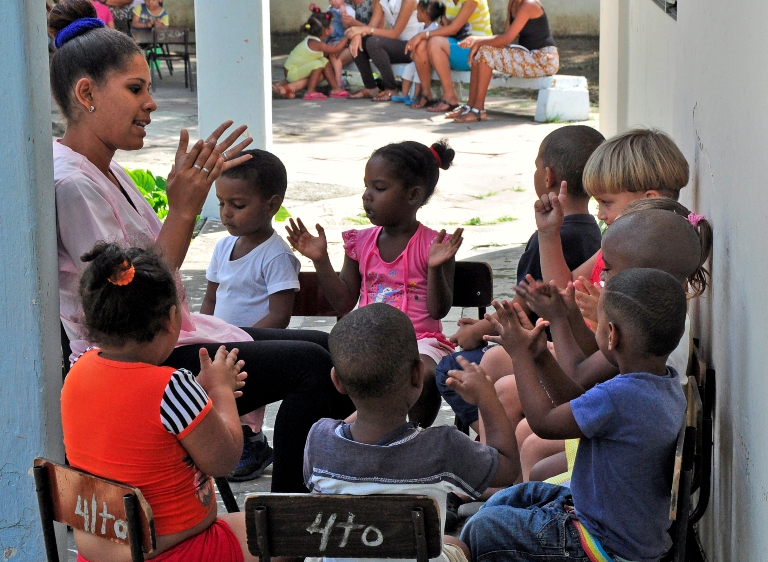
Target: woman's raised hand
column 194, row 171
column 312, row 247
column 443, row 250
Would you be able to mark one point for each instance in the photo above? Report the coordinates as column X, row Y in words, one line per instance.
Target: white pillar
column 233, row 71
column 30, row 369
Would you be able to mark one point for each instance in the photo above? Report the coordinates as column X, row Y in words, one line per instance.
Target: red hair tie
column 437, row 157
column 124, row 275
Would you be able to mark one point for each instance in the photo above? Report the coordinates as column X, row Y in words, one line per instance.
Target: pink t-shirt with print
column 401, row 283
column 89, row 209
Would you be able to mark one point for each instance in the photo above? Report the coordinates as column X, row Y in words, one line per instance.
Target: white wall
column 703, row 80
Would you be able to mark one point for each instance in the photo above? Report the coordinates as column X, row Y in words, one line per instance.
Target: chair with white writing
column 343, row 526
column 104, row 508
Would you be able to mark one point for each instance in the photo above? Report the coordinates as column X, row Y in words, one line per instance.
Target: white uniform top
column 392, row 10
column 245, row 284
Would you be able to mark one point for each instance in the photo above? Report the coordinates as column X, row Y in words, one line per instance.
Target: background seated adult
column 383, row 46
column 100, row 80
column 439, row 49
column 533, row 55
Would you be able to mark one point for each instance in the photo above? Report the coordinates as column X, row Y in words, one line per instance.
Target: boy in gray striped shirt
column 376, row 361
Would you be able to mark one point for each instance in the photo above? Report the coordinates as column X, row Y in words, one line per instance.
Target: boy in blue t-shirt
column 628, row 427
column 562, row 156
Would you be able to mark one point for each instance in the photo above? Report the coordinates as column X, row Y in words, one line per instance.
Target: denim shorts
column 459, row 57
column 525, row 522
column 466, row 412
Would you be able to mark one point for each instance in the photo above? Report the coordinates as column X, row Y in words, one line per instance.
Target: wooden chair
column 310, row 300
column 170, row 44
column 227, row 497
column 343, row 526
column 682, row 478
column 473, row 286
column 104, row 508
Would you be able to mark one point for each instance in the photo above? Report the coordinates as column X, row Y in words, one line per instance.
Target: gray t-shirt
column 409, row 460
column 622, row 477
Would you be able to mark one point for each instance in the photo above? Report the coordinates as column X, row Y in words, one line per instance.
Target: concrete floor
column 325, row 145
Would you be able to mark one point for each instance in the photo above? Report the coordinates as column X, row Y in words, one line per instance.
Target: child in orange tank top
column 160, row 429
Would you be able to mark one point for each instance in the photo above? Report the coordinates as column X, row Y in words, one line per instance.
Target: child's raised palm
column 549, row 210
column 542, row 298
column 515, row 333
column 313, row 247
column 587, row 297
column 442, row 250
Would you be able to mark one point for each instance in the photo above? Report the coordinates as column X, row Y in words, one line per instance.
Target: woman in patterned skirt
column 533, row 55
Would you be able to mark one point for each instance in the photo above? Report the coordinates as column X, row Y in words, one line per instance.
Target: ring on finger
column 206, row 170
column 197, row 166
column 225, row 155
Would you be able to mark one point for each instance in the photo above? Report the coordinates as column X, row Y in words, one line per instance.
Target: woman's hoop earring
column 92, row 109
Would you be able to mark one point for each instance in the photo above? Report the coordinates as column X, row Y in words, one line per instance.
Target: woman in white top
column 383, row 46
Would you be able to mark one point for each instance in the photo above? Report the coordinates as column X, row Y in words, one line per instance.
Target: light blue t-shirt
column 623, row 472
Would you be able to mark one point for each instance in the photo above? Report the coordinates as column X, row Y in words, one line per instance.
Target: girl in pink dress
column 399, row 261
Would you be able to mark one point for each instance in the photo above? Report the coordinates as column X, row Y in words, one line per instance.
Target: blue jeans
column 526, row 522
column 467, row 412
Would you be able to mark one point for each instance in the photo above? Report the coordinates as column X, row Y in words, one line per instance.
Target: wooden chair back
column 682, row 477
column 171, row 36
column 101, row 507
column 343, row 526
column 310, row 300
column 473, row 286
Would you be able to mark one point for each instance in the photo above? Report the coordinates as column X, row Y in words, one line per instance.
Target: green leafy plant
column 153, row 189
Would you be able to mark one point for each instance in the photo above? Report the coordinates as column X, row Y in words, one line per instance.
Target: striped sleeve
column 184, row 404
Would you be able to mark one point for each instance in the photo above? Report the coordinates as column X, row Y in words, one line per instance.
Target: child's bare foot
column 284, row 92
column 364, row 93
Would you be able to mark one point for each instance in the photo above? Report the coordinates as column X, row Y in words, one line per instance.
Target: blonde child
column 638, row 164
column 160, row 429
column 399, row 261
column 307, row 64
column 430, row 14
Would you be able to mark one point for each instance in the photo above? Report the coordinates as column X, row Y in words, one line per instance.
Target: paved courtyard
column 325, row 145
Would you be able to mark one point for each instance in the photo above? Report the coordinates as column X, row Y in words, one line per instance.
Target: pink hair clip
column 695, row 219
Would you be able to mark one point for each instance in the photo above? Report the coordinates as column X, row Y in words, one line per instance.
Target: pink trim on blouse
column 89, row 209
